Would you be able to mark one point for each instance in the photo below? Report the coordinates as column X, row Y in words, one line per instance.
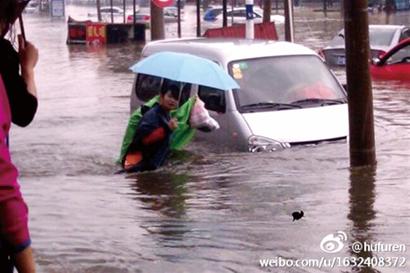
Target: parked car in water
column 32, row 7
column 237, row 15
column 144, row 16
column 114, row 10
column 394, row 64
column 287, row 94
column 381, row 38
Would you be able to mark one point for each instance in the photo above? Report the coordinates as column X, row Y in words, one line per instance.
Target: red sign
column 163, row 3
column 96, row 34
column 265, row 31
column 76, row 33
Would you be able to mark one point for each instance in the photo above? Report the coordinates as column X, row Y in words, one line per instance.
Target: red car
column 394, row 64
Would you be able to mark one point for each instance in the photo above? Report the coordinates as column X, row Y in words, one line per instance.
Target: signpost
column 249, row 20
column 57, row 8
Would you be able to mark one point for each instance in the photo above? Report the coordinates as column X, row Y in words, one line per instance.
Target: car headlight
column 265, row 144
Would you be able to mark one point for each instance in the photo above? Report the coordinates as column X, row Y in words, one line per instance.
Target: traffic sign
column 163, row 3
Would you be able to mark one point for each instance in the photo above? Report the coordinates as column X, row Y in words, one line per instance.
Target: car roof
column 108, row 8
column 224, row 50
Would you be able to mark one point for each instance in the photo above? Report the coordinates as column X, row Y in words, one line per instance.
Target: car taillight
column 130, row 18
column 146, row 17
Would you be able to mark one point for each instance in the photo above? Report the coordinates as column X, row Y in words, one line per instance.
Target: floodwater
column 205, row 211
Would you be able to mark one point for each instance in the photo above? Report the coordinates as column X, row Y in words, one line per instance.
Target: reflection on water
column 362, row 197
column 203, row 212
column 167, row 197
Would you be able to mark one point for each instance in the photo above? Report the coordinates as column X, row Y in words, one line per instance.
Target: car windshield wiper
column 322, row 102
column 274, row 105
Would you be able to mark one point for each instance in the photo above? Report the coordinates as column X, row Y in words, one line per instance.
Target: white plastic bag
column 200, row 118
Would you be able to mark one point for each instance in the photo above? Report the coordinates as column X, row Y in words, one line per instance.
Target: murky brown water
column 204, row 212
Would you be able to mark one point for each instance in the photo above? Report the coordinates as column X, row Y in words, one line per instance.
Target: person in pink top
column 18, row 104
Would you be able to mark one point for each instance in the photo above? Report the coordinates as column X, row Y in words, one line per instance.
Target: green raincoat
column 181, row 136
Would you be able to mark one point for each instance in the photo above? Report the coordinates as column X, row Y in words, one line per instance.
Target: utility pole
column 267, row 7
column 157, row 22
column 224, row 13
column 198, row 18
column 99, row 10
column 124, row 6
column 179, row 17
column 359, row 89
column 288, row 7
column 112, row 15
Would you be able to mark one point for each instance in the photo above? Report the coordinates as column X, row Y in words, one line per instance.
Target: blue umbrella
column 187, row 68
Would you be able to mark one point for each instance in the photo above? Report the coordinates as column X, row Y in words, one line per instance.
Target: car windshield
column 284, row 82
column 381, row 37
column 377, row 37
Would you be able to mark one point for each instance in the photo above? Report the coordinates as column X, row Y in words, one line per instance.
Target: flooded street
column 205, row 211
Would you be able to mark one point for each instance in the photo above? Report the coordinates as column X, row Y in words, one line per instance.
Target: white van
column 287, row 94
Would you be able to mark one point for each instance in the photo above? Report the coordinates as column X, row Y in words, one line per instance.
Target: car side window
column 241, row 13
column 213, row 98
column 405, row 34
column 403, row 55
column 147, row 86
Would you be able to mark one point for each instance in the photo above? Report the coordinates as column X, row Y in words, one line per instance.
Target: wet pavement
column 205, row 211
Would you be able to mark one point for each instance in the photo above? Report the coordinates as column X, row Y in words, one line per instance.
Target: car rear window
column 381, row 37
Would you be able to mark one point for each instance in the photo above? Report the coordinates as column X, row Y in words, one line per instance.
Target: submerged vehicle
column 237, row 15
column 287, row 94
column 394, row 64
column 381, row 38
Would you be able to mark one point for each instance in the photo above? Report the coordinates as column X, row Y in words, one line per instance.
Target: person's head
column 168, row 98
column 8, row 13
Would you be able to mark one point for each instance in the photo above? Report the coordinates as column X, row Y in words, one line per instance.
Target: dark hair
column 173, row 89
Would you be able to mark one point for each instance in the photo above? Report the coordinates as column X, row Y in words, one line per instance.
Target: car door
column 397, row 66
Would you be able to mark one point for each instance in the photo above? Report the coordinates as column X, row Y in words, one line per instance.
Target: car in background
column 115, row 10
column 143, row 16
column 394, row 64
column 237, row 15
column 381, row 38
column 32, row 7
column 117, row 14
column 287, row 95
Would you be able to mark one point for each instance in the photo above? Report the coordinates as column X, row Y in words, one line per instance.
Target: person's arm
column 24, row 261
column 22, row 101
column 28, row 59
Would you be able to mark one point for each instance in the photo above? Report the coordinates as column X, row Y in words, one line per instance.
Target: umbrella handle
column 23, row 33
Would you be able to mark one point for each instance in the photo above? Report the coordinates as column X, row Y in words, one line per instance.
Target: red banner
column 96, row 34
column 163, row 3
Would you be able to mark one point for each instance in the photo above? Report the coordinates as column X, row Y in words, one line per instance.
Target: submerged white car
column 287, row 94
column 237, row 15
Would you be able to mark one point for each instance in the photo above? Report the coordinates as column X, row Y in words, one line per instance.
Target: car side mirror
column 376, row 61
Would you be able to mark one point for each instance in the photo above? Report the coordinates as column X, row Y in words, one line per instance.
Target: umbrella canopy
column 187, row 68
column 21, row 5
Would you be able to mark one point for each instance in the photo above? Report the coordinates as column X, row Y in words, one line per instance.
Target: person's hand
column 28, row 54
column 173, row 123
